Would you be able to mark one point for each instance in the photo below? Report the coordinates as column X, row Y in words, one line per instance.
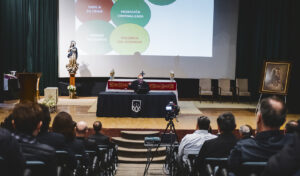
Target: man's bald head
column 273, row 112
column 81, row 127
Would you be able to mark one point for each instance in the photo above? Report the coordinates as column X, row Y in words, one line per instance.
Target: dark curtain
column 268, row 30
column 29, row 38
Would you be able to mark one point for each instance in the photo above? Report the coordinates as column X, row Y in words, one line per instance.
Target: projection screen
column 193, row 38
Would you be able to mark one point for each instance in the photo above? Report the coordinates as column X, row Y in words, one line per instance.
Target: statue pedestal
column 72, row 79
column 72, row 94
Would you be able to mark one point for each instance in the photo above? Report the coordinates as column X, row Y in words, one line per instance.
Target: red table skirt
column 170, row 86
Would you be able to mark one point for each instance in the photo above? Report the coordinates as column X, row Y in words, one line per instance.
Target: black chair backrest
column 253, row 168
column 62, row 157
column 216, row 166
column 37, row 168
column 64, row 162
column 221, row 162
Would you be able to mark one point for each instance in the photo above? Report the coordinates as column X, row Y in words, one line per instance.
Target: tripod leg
column 149, row 162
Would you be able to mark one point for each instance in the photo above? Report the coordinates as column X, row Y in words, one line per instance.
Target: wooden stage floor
column 81, row 111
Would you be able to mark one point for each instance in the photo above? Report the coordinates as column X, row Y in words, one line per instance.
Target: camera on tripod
column 172, row 111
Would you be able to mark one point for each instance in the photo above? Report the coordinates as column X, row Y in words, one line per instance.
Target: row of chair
column 219, row 167
column 224, row 88
column 102, row 162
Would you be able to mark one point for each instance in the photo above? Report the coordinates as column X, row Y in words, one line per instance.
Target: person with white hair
column 246, row 132
column 82, row 134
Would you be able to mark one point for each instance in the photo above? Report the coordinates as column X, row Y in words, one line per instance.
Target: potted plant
column 72, row 91
column 50, row 103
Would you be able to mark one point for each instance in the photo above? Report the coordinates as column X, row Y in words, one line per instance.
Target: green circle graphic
column 130, row 11
column 94, row 37
column 127, row 39
column 162, row 2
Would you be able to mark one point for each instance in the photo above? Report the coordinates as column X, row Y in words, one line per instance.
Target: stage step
column 122, row 159
column 125, row 169
column 131, row 147
column 129, row 143
column 138, row 135
column 140, row 153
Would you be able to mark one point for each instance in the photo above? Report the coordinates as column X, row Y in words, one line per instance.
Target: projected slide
column 146, row 27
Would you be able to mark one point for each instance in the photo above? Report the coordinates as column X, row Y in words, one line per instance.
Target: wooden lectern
column 29, row 86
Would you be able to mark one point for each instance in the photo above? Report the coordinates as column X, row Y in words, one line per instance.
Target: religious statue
column 172, row 75
column 112, row 74
column 72, row 66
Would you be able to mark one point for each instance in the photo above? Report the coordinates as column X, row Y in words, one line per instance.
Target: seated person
column 7, row 123
column 13, row 161
column 27, row 121
column 268, row 140
column 286, row 162
column 246, row 132
column 291, row 127
column 64, row 124
column 192, row 143
column 139, row 85
column 219, row 147
column 81, row 134
column 55, row 140
column 99, row 138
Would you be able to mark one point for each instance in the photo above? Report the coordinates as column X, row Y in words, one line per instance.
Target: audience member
column 81, row 134
column 291, row 127
column 192, row 143
column 7, row 123
column 221, row 146
column 13, row 161
column 64, row 124
column 99, row 138
column 55, row 140
column 27, row 122
column 286, row 162
column 268, row 140
column 218, row 147
column 246, row 132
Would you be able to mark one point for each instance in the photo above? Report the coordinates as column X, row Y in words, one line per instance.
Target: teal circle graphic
column 94, row 37
column 130, row 11
column 162, row 2
column 128, row 39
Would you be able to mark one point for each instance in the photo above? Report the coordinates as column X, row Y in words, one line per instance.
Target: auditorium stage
column 84, row 108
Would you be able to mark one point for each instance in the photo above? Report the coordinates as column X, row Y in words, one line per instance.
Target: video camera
column 172, row 111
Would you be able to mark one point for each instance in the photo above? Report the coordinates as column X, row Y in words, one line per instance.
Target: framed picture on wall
column 275, row 77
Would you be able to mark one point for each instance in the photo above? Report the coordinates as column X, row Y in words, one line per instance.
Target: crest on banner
column 136, row 105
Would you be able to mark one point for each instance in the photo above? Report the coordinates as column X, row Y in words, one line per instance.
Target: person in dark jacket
column 99, row 138
column 27, row 122
column 7, row 123
column 219, row 147
column 55, row 140
column 139, row 85
column 12, row 161
column 64, row 124
column 291, row 127
column 286, row 162
column 268, row 140
column 81, row 134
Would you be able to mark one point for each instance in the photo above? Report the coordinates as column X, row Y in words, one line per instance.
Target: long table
column 130, row 104
column 155, row 85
